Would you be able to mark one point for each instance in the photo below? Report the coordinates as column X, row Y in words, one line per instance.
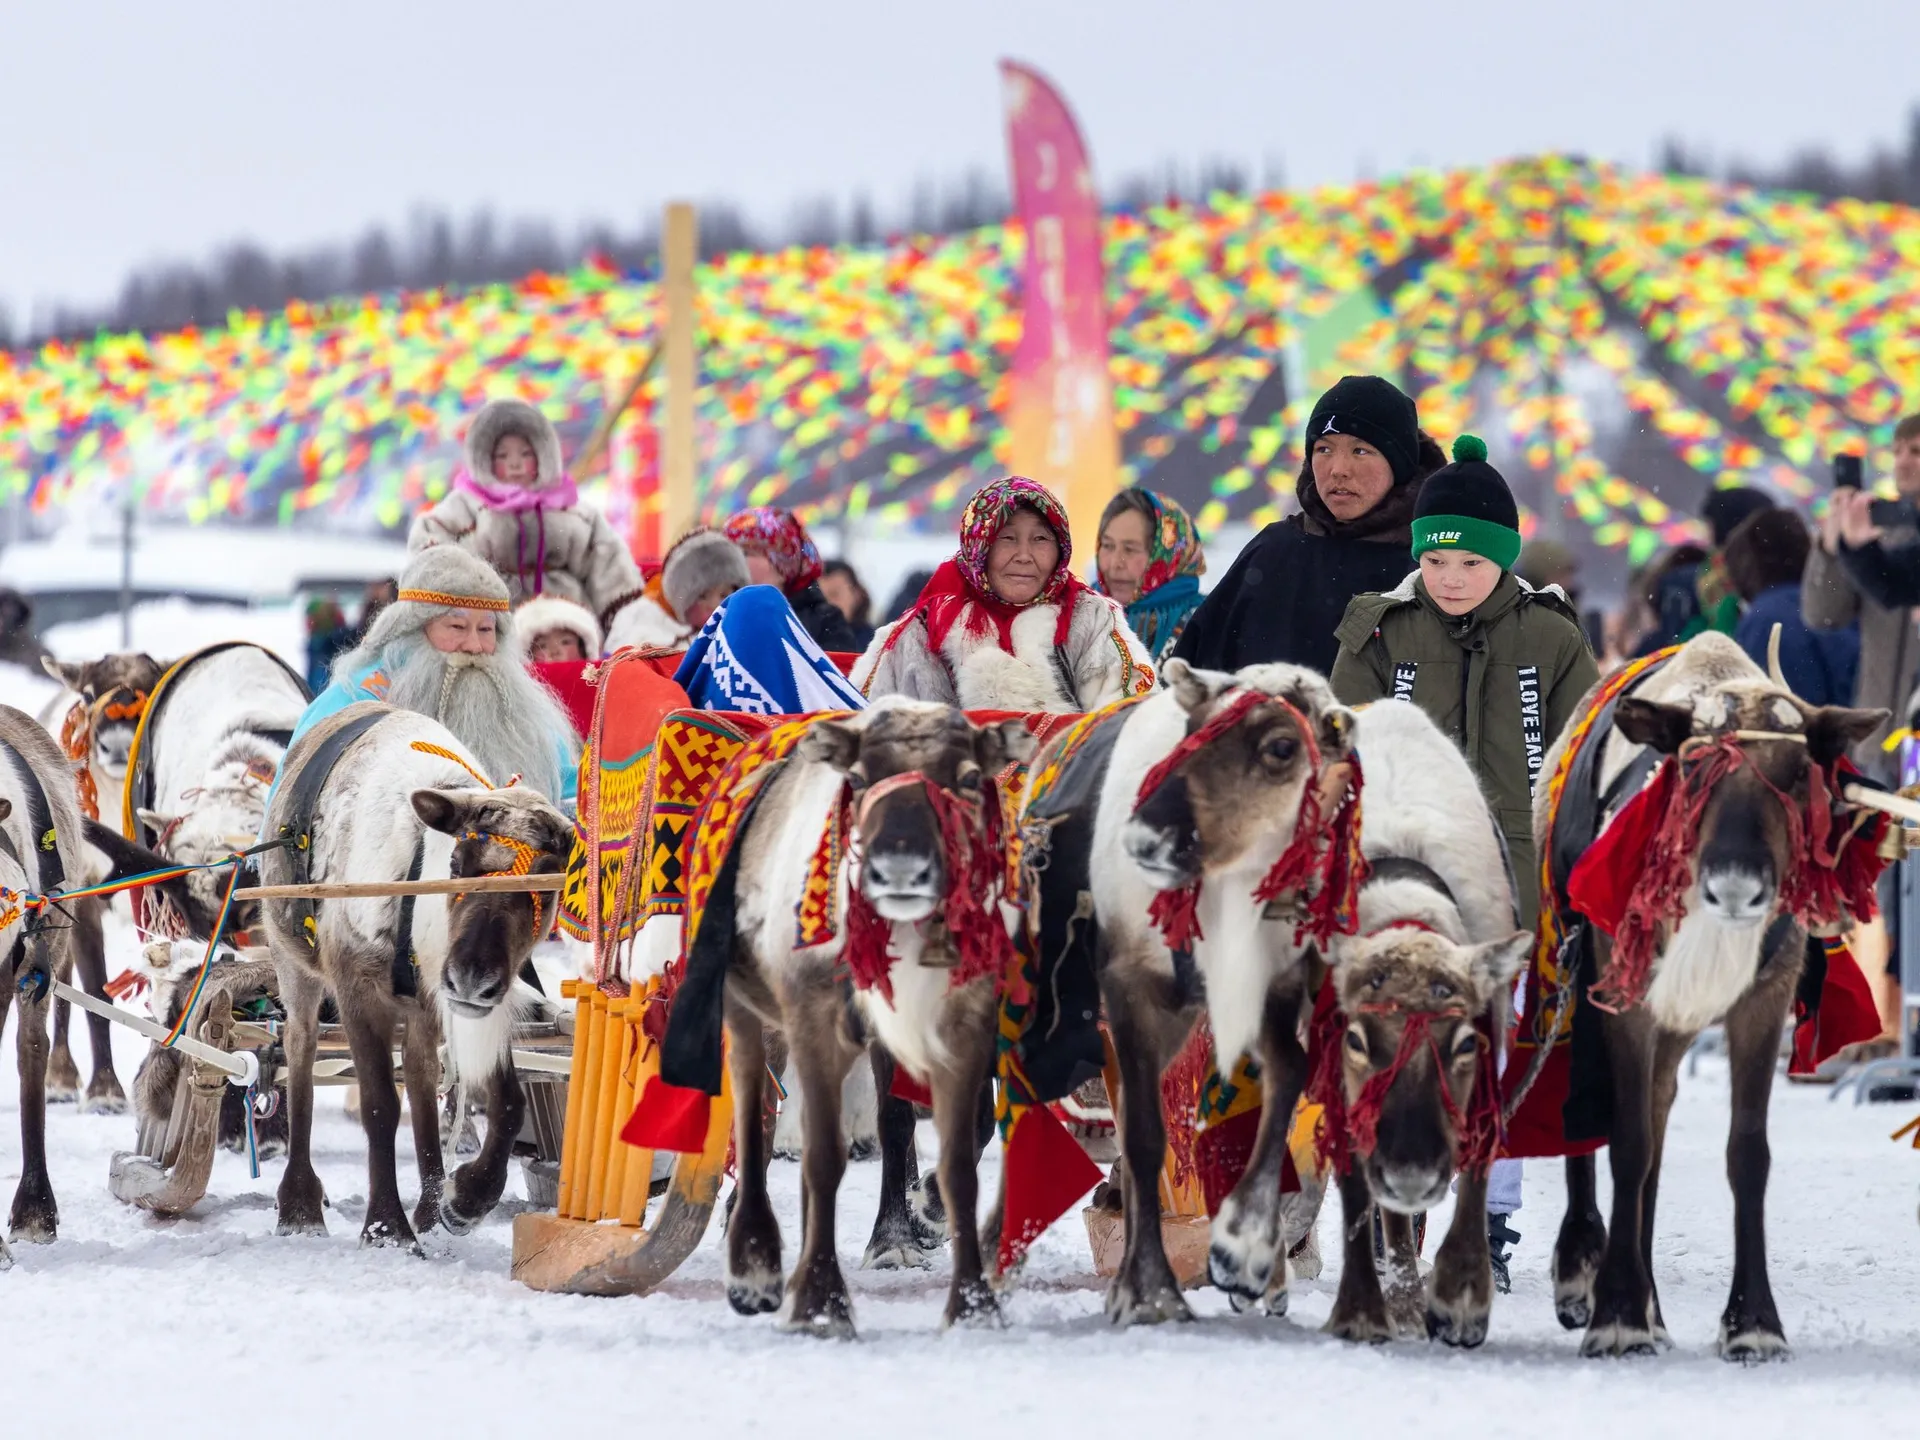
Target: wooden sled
column 598, row 1242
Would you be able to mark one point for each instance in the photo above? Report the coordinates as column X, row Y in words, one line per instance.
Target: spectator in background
column 907, row 594
column 328, row 637
column 18, row 643
column 842, row 587
column 1765, row 558
column 1150, row 560
column 1548, row 562
column 376, row 597
column 1688, row 592
column 782, row 554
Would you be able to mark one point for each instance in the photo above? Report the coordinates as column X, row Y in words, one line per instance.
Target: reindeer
column 1250, row 754
column 902, row 759
column 96, row 716
column 1723, row 939
column 40, row 847
column 397, row 796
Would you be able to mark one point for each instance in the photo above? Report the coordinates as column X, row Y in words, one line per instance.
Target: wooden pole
column 361, row 889
column 678, row 500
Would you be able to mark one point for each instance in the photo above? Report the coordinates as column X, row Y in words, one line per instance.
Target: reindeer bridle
column 525, row 857
column 1321, row 848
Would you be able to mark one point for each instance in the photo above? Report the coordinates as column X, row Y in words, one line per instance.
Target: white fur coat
column 586, row 561
column 1104, row 657
column 645, row 625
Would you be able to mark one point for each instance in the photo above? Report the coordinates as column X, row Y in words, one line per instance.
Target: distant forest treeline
column 435, row 250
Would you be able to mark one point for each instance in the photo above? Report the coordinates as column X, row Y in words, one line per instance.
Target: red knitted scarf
column 1322, row 862
column 974, row 855
column 1831, row 874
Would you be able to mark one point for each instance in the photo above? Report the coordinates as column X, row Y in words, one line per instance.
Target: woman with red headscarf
column 1005, row 624
column 780, row 553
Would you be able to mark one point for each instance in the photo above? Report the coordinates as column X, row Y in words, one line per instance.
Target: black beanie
column 1724, row 509
column 1376, row 411
column 1467, row 506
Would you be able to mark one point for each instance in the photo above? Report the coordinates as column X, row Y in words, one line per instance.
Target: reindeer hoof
column 1128, row 1304
column 895, row 1256
column 1606, row 1340
column 1370, row 1329
column 974, row 1306
column 755, row 1293
column 1461, row 1326
column 829, row 1319
column 104, row 1095
column 1574, row 1309
column 394, row 1234
column 63, row 1079
column 1754, row 1345
column 35, row 1219
column 1305, row 1260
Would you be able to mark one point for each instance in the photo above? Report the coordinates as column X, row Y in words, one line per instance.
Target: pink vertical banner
column 1060, row 403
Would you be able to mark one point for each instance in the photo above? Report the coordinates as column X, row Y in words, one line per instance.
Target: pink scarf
column 562, row 494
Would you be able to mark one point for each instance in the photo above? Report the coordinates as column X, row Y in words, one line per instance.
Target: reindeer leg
column 1359, row 1309
column 1750, row 1328
column 420, row 1068
column 1406, row 1296
column 1579, row 1246
column 899, row 1239
column 1668, row 1051
column 104, row 1095
column 1460, row 1296
column 368, row 1021
column 1247, row 1255
column 1622, row 1321
column 1144, row 1290
column 817, row 1300
column 478, row 1184
column 302, row 1199
column 63, row 1076
column 753, row 1233
column 35, row 1218
column 956, row 1095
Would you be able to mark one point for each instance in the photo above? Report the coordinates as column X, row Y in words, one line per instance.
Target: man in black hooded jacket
column 1286, row 593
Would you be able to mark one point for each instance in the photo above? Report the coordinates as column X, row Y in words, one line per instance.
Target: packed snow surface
column 211, row 1324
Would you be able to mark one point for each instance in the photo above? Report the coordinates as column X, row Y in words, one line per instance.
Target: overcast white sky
column 163, row 128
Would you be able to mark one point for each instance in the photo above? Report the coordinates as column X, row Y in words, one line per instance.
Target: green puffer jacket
column 1502, row 683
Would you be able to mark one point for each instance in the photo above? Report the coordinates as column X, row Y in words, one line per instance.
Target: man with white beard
column 443, row 649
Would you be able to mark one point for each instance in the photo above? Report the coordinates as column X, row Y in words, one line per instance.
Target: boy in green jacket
column 1498, row 665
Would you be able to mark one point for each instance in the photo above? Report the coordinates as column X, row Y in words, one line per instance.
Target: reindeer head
column 224, row 813
column 1747, row 747
column 1232, row 804
column 1411, row 998
column 885, row 753
column 115, row 689
column 489, row 936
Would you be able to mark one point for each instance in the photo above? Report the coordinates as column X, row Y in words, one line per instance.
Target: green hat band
column 1463, row 532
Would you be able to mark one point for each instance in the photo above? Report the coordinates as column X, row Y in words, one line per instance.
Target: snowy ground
column 211, row 1324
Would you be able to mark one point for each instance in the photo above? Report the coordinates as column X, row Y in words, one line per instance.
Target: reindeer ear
column 1493, row 966
column 1336, row 730
column 1191, row 686
column 444, row 810
column 1647, row 722
column 833, row 743
column 1832, row 730
column 69, row 673
column 156, row 821
column 1003, row 744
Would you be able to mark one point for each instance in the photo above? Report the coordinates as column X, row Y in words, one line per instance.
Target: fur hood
column 550, row 612
column 513, row 417
column 1102, row 661
column 644, row 624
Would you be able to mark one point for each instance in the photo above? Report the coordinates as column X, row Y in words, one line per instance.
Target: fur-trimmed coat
column 646, row 625
column 1103, row 659
column 586, row 562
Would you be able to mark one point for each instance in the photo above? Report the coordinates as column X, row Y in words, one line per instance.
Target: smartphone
column 1846, row 472
column 1894, row 514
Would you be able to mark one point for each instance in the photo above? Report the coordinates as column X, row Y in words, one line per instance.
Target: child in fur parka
column 514, row 506
column 1005, row 624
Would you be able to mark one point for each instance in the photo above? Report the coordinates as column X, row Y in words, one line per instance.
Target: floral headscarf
column 1170, row 588
column 777, row 534
column 960, row 589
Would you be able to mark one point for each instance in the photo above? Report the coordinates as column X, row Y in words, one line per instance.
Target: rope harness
column 1824, row 878
column 1323, row 849
column 973, row 852
column 525, row 857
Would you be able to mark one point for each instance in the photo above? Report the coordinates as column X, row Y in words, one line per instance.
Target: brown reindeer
column 1722, row 940
column 111, row 693
column 892, row 757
